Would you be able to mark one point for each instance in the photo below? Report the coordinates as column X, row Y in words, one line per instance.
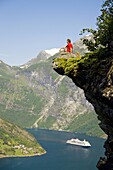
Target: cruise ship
column 75, row 141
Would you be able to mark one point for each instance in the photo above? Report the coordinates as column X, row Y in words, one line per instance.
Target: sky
column 30, row 26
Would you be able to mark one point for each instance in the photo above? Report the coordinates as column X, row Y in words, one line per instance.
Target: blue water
column 59, row 156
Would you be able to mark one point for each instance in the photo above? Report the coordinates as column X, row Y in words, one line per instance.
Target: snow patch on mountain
column 52, row 51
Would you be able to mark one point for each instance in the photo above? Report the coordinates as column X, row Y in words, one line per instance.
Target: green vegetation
column 17, row 142
column 63, row 88
column 86, row 123
column 18, row 100
column 26, row 110
column 47, row 123
column 103, row 35
column 70, row 66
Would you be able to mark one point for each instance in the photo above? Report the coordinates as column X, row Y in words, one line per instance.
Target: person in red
column 69, row 47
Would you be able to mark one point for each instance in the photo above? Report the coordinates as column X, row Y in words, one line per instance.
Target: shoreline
column 21, row 156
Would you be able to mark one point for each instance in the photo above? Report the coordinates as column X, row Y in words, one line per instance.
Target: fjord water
column 59, row 156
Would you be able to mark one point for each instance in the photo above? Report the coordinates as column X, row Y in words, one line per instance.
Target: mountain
column 12, row 136
column 78, row 46
column 42, row 56
column 34, row 95
column 15, row 141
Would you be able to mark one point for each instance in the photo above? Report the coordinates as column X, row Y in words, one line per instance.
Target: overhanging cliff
column 94, row 74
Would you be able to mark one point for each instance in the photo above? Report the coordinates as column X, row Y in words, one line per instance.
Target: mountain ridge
column 44, row 98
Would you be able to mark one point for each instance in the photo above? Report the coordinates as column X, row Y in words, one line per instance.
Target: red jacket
column 69, row 47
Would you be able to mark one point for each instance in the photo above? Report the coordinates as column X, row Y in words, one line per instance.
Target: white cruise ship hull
column 79, row 143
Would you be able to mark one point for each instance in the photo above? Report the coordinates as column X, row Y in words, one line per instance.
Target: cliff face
column 94, row 74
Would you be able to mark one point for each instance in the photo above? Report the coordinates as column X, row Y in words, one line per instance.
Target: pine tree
column 103, row 35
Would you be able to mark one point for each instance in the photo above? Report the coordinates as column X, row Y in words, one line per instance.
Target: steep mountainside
column 15, row 141
column 34, row 95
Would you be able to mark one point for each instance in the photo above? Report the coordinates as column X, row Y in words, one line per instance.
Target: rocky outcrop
column 94, row 74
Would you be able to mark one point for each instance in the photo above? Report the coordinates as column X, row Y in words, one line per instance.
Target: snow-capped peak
column 52, row 51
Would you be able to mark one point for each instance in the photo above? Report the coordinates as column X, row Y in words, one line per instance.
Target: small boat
column 76, row 141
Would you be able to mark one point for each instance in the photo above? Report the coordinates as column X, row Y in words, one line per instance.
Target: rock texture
column 94, row 74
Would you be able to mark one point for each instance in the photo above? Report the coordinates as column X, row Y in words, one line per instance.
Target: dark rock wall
column 96, row 79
